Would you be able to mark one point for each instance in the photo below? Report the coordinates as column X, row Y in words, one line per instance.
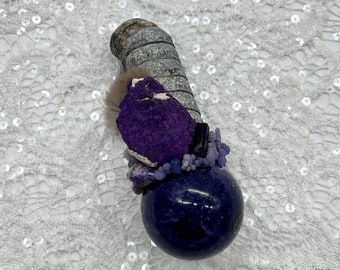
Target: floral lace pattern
column 266, row 72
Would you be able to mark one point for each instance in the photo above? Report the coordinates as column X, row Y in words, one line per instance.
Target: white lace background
column 266, row 72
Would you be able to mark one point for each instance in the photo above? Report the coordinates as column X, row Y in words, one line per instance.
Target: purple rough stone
column 156, row 127
column 141, row 175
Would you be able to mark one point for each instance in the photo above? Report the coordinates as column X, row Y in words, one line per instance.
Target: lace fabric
column 266, row 73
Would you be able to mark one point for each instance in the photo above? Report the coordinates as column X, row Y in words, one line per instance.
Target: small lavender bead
column 222, row 152
column 167, row 168
column 214, row 150
column 212, row 136
column 226, row 147
column 175, row 166
column 210, row 147
column 160, row 174
column 199, row 162
column 186, row 157
column 222, row 161
column 193, row 167
column 205, row 162
column 185, row 164
column 211, row 159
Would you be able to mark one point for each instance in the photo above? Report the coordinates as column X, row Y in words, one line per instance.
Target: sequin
column 122, row 3
column 270, row 189
column 69, row 6
column 25, row 22
column 62, row 111
column 245, row 197
column 20, row 31
column 275, row 78
column 95, row 94
column 27, row 242
column 195, row 21
column 95, row 116
column 186, row 18
column 233, row 1
column 337, row 82
column 34, row 68
column 257, row 152
column 196, row 69
column 103, row 155
column 3, row 125
column 252, row 109
column 132, row 256
column 306, row 101
column 146, row 266
column 20, row 148
column 205, row 20
column 267, row 94
column 303, row 171
column 250, row 222
column 136, row 14
column 290, row 208
column 336, row 152
column 3, row 13
column 259, row 212
column 307, row 8
column 36, row 19
column 196, row 48
column 336, row 36
column 16, row 67
column 204, row 95
column 125, row 266
column 211, row 69
column 236, row 106
column 17, row 122
column 295, row 19
column 300, row 41
column 263, row 132
column 144, row 255
column 19, row 170
column 101, row 30
column 7, row 167
column 101, row 178
column 112, row 26
column 260, row 63
column 210, row 56
column 215, row 99
column 302, row 74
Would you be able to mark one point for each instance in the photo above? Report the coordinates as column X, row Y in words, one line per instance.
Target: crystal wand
column 192, row 207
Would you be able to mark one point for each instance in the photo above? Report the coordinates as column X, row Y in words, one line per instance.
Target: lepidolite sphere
column 193, row 215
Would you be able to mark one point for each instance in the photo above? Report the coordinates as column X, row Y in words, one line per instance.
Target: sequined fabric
column 266, row 72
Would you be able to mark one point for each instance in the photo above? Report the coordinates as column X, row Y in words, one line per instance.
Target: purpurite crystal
column 157, row 128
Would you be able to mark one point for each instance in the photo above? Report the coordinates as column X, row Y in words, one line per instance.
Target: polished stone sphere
column 194, row 215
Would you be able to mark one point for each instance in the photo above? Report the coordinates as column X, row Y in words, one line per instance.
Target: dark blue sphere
column 194, row 215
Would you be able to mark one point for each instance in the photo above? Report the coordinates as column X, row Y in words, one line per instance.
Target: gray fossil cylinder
column 141, row 43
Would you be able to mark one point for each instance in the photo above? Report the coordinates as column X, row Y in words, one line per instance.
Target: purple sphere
column 193, row 215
